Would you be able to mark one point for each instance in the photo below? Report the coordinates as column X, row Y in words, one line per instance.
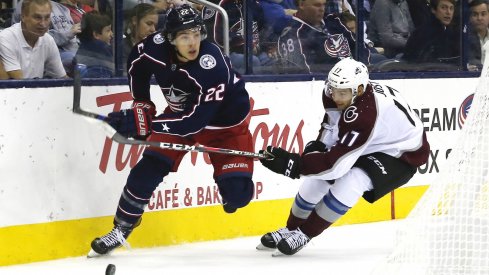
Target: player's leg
column 342, row 195
column 141, row 182
column 372, row 177
column 310, row 193
column 232, row 174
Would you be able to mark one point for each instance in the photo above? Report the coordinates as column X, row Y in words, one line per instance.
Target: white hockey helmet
column 348, row 74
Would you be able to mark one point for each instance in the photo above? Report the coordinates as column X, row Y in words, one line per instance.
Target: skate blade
column 261, row 247
column 93, row 254
column 277, row 253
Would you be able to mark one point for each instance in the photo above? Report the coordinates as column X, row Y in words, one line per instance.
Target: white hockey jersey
column 380, row 120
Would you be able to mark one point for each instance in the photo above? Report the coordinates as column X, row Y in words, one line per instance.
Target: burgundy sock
column 294, row 222
column 314, row 225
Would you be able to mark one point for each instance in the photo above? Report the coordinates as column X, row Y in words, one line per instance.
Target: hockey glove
column 315, row 146
column 282, row 162
column 134, row 122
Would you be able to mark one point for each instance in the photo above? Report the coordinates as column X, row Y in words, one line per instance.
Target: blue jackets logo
column 158, row 39
column 207, row 61
column 464, row 110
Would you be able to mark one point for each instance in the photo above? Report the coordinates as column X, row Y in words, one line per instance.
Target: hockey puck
column 110, row 270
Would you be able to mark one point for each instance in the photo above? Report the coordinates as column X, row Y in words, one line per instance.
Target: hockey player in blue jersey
column 207, row 104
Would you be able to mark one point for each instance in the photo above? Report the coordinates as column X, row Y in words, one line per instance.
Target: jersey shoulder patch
column 207, row 61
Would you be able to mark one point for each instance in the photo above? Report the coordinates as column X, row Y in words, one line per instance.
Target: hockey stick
column 112, row 133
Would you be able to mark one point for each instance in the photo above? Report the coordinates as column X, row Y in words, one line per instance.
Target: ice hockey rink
column 348, row 249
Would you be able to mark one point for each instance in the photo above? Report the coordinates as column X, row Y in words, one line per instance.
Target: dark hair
column 479, row 2
column 139, row 11
column 27, row 4
column 91, row 22
column 434, row 3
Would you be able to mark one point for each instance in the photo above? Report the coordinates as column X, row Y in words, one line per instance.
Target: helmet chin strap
column 180, row 55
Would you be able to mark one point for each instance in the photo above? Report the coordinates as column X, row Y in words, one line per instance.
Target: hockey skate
column 295, row 241
column 227, row 208
column 270, row 240
column 112, row 240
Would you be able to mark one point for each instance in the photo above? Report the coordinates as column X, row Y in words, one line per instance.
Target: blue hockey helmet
column 181, row 18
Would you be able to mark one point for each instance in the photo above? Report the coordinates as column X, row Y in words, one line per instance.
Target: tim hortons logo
column 276, row 135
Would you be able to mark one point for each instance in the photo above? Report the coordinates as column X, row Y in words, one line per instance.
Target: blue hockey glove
column 134, row 122
column 282, row 162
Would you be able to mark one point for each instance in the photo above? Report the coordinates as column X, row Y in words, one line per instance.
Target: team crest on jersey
column 207, row 61
column 336, row 45
column 175, row 98
column 350, row 114
column 158, row 39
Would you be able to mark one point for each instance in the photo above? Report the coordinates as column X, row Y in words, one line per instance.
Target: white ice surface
column 340, row 250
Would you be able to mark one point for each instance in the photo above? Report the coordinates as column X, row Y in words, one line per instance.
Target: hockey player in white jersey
column 370, row 143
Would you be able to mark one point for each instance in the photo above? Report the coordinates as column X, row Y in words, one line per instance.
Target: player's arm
column 3, row 73
column 17, row 74
column 136, row 121
column 354, row 139
column 9, row 57
column 328, row 132
column 139, row 73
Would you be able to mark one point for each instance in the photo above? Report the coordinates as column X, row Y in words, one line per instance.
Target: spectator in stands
column 236, row 33
column 77, row 9
column 350, row 21
column 420, row 12
column 275, row 19
column 338, row 6
column 315, row 41
column 289, row 6
column 390, row 26
column 141, row 22
column 94, row 57
column 367, row 5
column 435, row 41
column 25, row 48
column 3, row 73
column 162, row 7
column 479, row 32
column 62, row 29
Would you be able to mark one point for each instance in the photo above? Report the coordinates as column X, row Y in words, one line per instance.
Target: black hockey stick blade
column 112, row 133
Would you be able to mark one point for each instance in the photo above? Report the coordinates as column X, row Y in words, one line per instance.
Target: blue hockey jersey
column 203, row 93
column 316, row 50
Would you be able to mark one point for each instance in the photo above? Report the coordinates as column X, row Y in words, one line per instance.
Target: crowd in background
column 43, row 38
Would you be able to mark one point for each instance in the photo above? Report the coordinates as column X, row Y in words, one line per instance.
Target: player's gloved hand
column 315, row 146
column 134, row 122
column 281, row 161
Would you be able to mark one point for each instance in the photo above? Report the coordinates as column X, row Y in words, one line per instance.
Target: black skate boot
column 227, row 208
column 112, row 240
column 295, row 241
column 269, row 241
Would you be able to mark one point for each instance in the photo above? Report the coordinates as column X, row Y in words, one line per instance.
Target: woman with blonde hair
column 141, row 22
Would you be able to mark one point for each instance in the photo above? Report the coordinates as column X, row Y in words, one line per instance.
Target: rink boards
column 61, row 177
